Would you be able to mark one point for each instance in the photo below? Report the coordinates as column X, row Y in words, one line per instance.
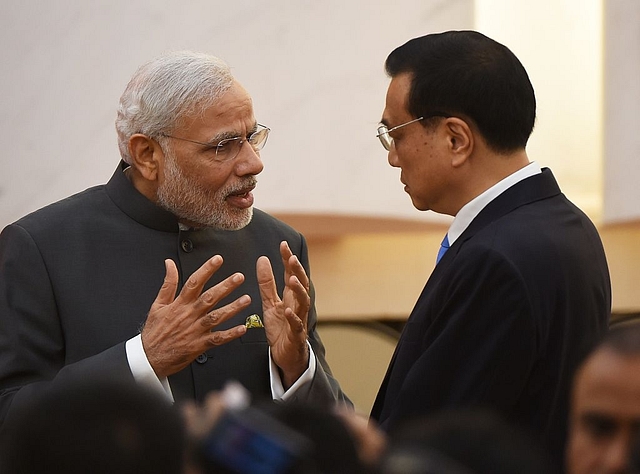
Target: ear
column 146, row 156
column 460, row 140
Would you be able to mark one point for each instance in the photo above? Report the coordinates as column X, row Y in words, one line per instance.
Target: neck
column 486, row 171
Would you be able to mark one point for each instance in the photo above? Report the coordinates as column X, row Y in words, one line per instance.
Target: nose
column 248, row 161
column 392, row 157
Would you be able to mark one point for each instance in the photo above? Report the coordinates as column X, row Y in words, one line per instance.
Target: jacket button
column 187, row 245
column 202, row 358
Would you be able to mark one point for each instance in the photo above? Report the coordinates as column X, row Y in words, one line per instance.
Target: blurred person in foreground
column 521, row 290
column 605, row 408
column 463, row 441
column 166, row 273
column 97, row 426
column 229, row 434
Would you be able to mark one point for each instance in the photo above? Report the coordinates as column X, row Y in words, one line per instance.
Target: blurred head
column 274, row 438
column 188, row 130
column 450, row 95
column 605, row 406
column 96, row 426
column 462, row 441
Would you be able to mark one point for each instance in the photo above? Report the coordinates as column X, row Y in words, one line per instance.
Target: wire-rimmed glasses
column 383, row 132
column 387, row 140
column 228, row 148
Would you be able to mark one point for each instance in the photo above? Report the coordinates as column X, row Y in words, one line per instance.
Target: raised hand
column 285, row 320
column 178, row 329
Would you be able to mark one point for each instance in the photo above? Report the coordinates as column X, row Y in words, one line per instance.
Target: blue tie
column 444, row 246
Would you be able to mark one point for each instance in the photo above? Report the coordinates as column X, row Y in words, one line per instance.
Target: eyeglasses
column 383, row 133
column 387, row 140
column 228, row 148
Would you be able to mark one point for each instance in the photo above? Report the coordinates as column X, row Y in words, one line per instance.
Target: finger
column 213, row 295
column 193, row 287
column 167, row 292
column 218, row 338
column 295, row 323
column 302, row 296
column 296, row 268
column 286, row 254
column 220, row 315
column 266, row 283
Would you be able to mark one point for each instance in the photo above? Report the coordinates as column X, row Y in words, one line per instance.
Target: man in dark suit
column 522, row 290
column 164, row 274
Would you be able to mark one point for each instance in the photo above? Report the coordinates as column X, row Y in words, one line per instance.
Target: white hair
column 167, row 89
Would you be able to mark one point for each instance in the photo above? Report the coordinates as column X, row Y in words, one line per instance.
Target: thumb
column 167, row 292
column 266, row 282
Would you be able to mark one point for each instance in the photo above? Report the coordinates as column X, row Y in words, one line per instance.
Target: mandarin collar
column 130, row 201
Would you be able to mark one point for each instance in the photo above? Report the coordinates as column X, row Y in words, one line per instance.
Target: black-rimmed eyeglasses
column 228, row 148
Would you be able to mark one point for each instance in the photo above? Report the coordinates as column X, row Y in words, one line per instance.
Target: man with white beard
column 166, row 274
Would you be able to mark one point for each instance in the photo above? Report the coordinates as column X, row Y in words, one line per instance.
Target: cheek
column 584, row 452
column 210, row 178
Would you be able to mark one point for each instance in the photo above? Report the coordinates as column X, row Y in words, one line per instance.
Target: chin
column 236, row 219
column 418, row 205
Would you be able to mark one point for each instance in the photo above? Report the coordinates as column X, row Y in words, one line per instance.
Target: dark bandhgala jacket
column 506, row 316
column 78, row 277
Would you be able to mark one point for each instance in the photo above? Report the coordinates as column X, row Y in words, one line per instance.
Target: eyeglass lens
column 229, row 148
column 385, row 138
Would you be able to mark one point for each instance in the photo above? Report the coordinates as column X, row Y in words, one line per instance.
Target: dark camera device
column 251, row 441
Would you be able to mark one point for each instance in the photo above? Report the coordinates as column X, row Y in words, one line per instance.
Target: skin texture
column 188, row 179
column 605, row 414
column 444, row 162
column 417, row 150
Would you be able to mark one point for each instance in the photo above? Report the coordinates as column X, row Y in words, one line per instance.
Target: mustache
column 244, row 184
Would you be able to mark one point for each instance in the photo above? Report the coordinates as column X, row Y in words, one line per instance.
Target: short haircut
column 466, row 74
column 167, row 89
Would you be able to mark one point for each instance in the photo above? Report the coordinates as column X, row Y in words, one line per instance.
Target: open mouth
column 242, row 198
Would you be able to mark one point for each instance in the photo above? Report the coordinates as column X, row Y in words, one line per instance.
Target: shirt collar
column 470, row 210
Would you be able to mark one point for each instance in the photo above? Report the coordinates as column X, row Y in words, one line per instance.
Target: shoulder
column 62, row 213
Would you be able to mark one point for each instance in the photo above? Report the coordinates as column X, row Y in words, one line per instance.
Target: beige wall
column 378, row 276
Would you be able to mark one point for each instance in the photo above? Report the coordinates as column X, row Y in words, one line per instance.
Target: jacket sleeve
column 32, row 338
column 324, row 389
column 475, row 345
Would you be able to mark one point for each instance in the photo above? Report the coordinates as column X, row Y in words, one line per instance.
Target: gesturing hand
column 285, row 320
column 178, row 329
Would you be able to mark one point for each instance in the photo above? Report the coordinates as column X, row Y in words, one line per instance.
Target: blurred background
column 315, row 72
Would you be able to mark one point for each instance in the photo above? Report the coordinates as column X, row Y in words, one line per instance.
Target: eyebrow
column 231, row 134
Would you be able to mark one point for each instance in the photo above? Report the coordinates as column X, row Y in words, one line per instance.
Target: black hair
column 470, row 440
column 95, row 425
column 467, row 74
column 623, row 339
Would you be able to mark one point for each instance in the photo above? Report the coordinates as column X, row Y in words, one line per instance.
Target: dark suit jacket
column 506, row 316
column 78, row 277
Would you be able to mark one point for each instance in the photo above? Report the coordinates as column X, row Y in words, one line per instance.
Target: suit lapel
column 531, row 189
